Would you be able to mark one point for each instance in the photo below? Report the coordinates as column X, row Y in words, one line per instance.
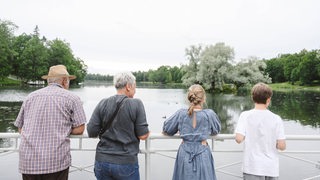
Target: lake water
column 299, row 110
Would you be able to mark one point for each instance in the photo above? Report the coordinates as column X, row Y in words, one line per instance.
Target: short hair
column 54, row 80
column 260, row 93
column 120, row 80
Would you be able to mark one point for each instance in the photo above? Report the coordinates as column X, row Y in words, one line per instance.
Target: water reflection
column 8, row 114
column 301, row 107
column 228, row 107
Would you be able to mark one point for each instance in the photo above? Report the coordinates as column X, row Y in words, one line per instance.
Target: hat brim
column 71, row 77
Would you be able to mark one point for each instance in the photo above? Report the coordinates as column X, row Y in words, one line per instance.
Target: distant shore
column 289, row 87
column 286, row 86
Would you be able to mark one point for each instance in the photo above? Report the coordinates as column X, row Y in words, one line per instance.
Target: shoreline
column 282, row 87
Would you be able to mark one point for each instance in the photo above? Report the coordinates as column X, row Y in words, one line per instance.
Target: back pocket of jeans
column 127, row 170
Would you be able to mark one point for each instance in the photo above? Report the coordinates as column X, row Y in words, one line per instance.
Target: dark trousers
column 61, row 175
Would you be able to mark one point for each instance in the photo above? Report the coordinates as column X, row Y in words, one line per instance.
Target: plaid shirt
column 46, row 118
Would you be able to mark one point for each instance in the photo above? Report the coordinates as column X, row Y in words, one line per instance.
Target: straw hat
column 58, row 71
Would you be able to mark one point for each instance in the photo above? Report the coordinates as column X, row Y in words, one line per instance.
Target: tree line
column 211, row 66
column 302, row 67
column 214, row 67
column 28, row 56
column 162, row 75
column 98, row 77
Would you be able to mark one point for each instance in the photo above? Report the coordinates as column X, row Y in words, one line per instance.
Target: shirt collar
column 55, row 84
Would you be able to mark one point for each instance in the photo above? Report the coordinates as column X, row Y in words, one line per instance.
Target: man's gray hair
column 120, row 80
column 54, row 80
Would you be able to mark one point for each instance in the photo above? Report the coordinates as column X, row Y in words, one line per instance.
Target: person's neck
column 260, row 106
column 122, row 92
column 197, row 107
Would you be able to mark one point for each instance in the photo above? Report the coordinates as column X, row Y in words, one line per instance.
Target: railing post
column 16, row 143
column 147, row 159
column 80, row 143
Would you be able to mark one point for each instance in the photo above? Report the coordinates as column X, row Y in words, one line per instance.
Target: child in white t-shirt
column 263, row 135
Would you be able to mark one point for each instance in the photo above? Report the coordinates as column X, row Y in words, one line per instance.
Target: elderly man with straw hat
column 46, row 119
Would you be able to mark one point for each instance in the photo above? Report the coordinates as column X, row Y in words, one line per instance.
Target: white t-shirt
column 261, row 129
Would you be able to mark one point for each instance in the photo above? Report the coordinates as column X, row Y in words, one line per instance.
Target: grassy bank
column 289, row 87
column 9, row 82
column 160, row 85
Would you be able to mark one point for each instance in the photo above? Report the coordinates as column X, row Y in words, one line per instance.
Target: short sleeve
column 20, row 118
column 215, row 124
column 170, row 126
column 240, row 129
column 141, row 125
column 280, row 130
column 94, row 125
column 78, row 115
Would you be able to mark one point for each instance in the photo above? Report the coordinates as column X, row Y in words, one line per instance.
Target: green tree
column 19, row 45
column 79, row 69
column 318, row 65
column 177, row 74
column 291, row 67
column 60, row 53
column 162, row 75
column 33, row 58
column 141, row 76
column 7, row 29
column 152, row 76
column 98, row 77
column 307, row 71
column 275, row 69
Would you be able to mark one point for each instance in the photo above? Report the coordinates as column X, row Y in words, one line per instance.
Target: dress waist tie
column 192, row 157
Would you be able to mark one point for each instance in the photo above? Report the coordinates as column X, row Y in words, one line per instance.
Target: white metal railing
column 148, row 150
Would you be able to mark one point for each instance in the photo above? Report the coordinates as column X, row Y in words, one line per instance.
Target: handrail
column 147, row 151
column 161, row 136
column 219, row 137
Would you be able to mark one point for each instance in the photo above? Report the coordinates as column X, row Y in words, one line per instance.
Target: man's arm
column 239, row 138
column 78, row 130
column 144, row 137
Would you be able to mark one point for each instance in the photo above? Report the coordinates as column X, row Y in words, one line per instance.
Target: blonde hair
column 196, row 96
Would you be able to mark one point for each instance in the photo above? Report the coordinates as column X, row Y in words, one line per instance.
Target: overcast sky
column 131, row 35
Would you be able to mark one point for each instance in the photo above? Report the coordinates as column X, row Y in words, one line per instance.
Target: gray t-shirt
column 120, row 143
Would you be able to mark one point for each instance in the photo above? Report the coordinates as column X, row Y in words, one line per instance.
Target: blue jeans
column 109, row 171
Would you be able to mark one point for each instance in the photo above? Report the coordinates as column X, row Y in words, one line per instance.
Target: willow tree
column 249, row 71
column 215, row 63
column 191, row 69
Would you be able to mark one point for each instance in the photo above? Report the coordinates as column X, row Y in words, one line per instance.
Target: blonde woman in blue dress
column 194, row 159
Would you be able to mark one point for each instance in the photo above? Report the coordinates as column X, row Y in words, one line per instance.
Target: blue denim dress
column 194, row 160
